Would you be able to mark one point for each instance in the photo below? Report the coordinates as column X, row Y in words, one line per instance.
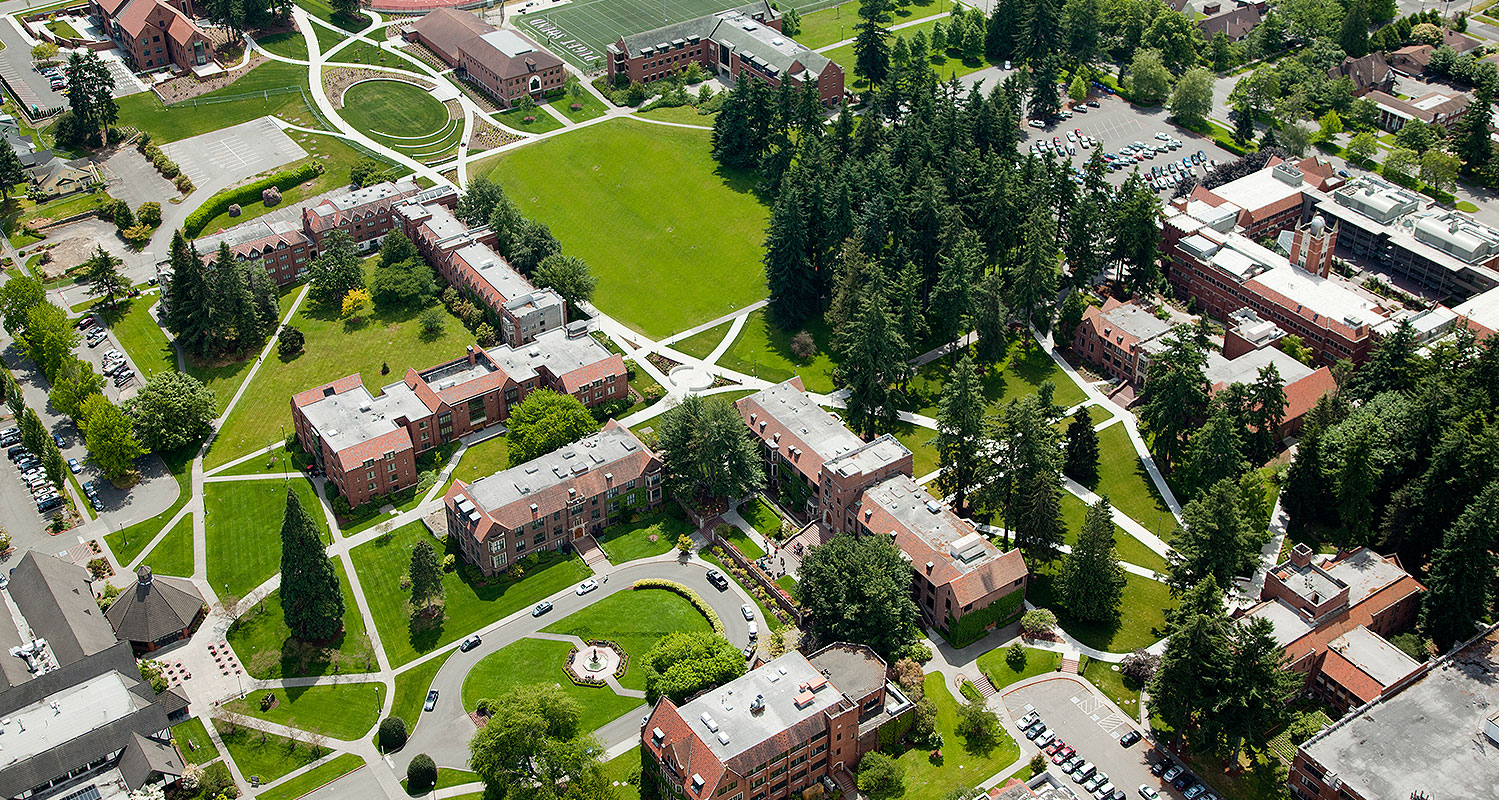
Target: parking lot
column 1076, row 713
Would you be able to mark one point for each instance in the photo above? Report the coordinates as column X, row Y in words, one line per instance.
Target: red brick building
column 368, row 444
column 774, row 731
column 745, row 40
column 464, row 258
column 554, row 500
column 1334, row 618
column 503, row 63
column 281, row 247
column 155, row 33
column 367, row 214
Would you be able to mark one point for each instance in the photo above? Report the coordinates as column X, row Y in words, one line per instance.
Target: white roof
column 508, row 42
column 1483, row 309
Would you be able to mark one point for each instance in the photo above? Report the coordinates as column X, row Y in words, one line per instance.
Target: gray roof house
column 156, row 611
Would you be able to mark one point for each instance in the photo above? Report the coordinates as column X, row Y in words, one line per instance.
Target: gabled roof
column 1234, row 24
column 56, row 599
column 1367, row 72
column 447, row 28
column 155, row 607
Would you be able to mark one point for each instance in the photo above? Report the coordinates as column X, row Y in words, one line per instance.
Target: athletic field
column 580, row 30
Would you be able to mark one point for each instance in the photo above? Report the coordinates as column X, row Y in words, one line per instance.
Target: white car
column 1027, row 721
column 1148, row 793
column 586, row 587
column 748, row 610
column 1162, row 136
column 1072, row 137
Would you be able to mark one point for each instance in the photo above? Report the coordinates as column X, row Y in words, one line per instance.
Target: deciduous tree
column 680, row 665
column 172, row 410
column 1193, row 97
column 544, row 421
column 858, row 589
column 110, row 437
column 535, row 747
column 569, row 276
column 707, row 451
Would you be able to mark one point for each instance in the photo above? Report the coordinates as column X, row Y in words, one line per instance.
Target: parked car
column 468, row 644
column 1072, row 764
column 1062, row 755
column 432, row 698
column 1344, row 173
column 1036, row 730
column 1027, row 721
column 1095, row 781
column 748, row 611
column 1148, row 793
column 73, row 466
column 1193, row 791
column 748, row 651
column 1105, row 790
column 586, row 587
column 1093, row 104
column 754, row 631
column 718, row 580
column 1172, row 774
column 1130, row 738
column 541, row 608
column 1045, row 738
column 61, row 442
column 1085, row 771
column 49, row 504
column 1159, row 767
column 1182, row 782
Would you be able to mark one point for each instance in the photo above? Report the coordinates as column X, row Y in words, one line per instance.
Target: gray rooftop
column 1246, row 368
column 594, row 452
column 352, row 417
column 1136, row 321
column 737, row 27
column 58, row 604
column 903, row 498
column 1311, row 582
column 870, row 457
column 494, row 270
column 1374, row 656
column 246, row 233
column 369, row 194
column 820, row 430
column 456, row 372
column 1428, row 737
column 1288, row 625
column 778, row 684
column 1365, row 572
column 699, row 27
column 560, row 351
column 1451, row 239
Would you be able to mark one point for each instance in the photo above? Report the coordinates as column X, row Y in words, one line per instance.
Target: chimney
column 471, row 355
column 1301, row 555
column 929, row 568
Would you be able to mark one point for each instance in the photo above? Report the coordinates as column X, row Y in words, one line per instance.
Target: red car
column 1057, row 744
column 1062, row 755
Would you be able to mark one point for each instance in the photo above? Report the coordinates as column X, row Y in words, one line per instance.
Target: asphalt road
column 444, row 732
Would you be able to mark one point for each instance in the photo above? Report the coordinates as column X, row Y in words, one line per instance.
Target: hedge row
column 692, row 597
column 247, row 194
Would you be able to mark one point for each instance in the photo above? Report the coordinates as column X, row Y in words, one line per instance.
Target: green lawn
column 702, row 343
column 336, row 157
column 140, row 336
column 411, row 689
column 128, row 542
column 192, row 740
column 946, row 66
column 960, row 766
column 447, row 778
column 1019, row 375
column 762, row 517
column 1122, row 476
column 541, row 121
column 323, row 10
column 1001, row 674
column 287, row 43
column 381, row 564
column 686, row 115
column 618, row 770
column 649, row 535
column 366, row 52
column 822, row 28
column 264, row 754
column 144, row 110
column 173, row 555
column 332, row 350
column 529, row 662
column 275, row 462
column 788, row 584
column 743, row 543
column 1106, row 678
column 264, row 643
column 1129, row 548
column 325, row 773
column 592, row 107
column 646, row 206
column 225, row 378
column 242, row 520
column 61, row 208
column 924, row 454
column 1142, row 608
column 634, row 620
column 393, row 109
column 764, row 351
column 482, row 460
column 337, row 710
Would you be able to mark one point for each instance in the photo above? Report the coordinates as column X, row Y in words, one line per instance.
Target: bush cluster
column 166, row 166
column 392, row 734
column 244, row 195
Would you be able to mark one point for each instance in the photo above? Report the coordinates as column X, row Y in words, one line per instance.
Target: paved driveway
column 1089, row 723
column 30, row 87
column 445, row 731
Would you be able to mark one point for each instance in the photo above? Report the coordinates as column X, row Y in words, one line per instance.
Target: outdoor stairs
column 982, row 683
column 1070, row 663
column 592, row 554
column 845, row 782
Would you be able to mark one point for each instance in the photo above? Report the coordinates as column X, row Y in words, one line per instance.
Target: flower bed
column 589, row 680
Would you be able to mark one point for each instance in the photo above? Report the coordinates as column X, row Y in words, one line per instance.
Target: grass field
column 286, row 43
column 173, row 555
column 701, row 344
column 1021, row 373
column 1123, row 477
column 276, row 462
column 447, row 778
column 529, row 662
column 762, row 517
column 635, row 621
column 325, row 773
column 1142, row 618
column 238, row 102
column 592, row 107
column 946, row 67
column 264, row 643
column 619, row 769
column 821, row 28
column 1038, row 662
column 332, row 350
column 242, row 520
column 541, row 121
column 743, row 543
column 192, row 740
column 686, row 115
column 140, row 336
column 381, row 564
column 1106, row 678
column 924, row 454
column 265, row 755
column 323, row 10
column 403, row 117
column 961, row 765
column 337, row 710
column 763, row 350
column 482, row 460
column 647, row 208
column 411, row 689
column 1127, row 547
column 650, row 535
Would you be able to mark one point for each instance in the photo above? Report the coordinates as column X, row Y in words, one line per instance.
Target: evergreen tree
column 1213, row 540
column 426, row 576
column 1256, row 688
column 1216, row 451
column 992, row 334
column 1175, row 395
column 706, row 452
column 1069, row 317
column 1137, row 234
column 1471, row 139
column 1244, row 124
column 1084, row 246
column 1081, row 449
column 789, row 275
column 335, row 272
column 1045, row 102
column 960, row 436
column 1461, row 582
column 1393, row 367
column 11, row 172
column 858, row 589
column 1193, row 666
column 1041, row 30
column 1268, row 412
column 1221, row 55
column 953, row 297
column 872, row 53
column 91, row 88
column 188, row 313
column 874, row 362
column 102, row 273
column 1092, row 582
column 1029, row 486
column 1355, row 482
column 237, row 327
column 1354, row 36
column 1033, row 285
column 1002, row 30
column 310, row 596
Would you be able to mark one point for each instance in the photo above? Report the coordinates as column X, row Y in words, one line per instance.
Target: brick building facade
column 155, row 34
column 502, row 63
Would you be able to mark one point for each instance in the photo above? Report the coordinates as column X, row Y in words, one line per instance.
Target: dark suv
column 718, row 580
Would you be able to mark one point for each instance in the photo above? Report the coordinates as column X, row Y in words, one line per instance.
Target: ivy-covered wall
column 971, row 628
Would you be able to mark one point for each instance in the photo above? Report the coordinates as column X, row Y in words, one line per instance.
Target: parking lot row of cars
column 54, row 77
column 33, row 475
column 113, row 365
column 1093, row 780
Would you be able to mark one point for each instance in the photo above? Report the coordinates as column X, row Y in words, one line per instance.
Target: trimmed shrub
column 235, row 210
column 270, row 196
column 392, row 734
column 244, row 195
column 421, row 774
column 692, row 597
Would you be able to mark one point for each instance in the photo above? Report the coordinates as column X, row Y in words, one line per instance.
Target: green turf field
column 403, row 117
column 579, row 31
column 673, row 239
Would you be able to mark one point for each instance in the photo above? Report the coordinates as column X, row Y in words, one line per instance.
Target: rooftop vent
column 708, row 722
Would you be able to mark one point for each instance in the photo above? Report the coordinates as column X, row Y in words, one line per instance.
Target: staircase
column 1070, row 664
column 591, row 553
column 982, row 683
column 845, row 782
